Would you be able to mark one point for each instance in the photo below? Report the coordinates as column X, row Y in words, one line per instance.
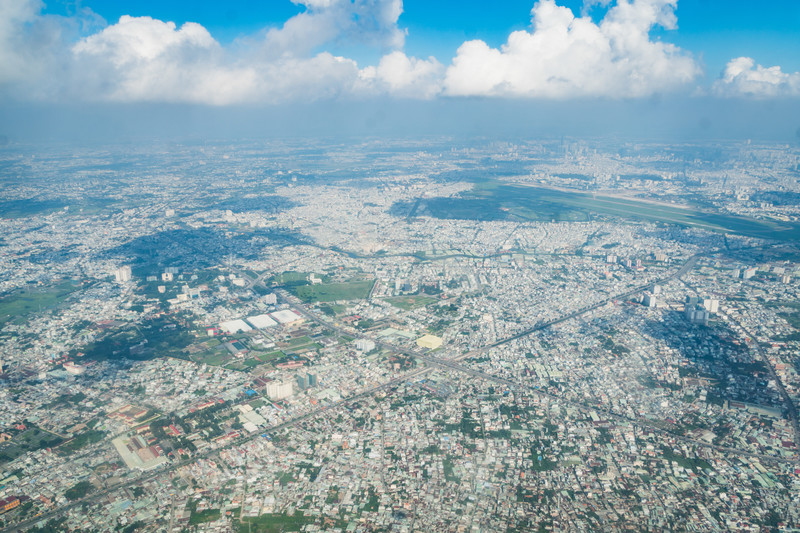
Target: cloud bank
column 566, row 56
column 562, row 56
column 743, row 77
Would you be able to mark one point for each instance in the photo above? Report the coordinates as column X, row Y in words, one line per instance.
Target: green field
column 82, row 440
column 201, row 517
column 289, row 278
column 216, row 358
column 300, row 344
column 330, row 292
column 408, row 303
column 275, row 523
column 29, row 440
column 494, row 201
column 18, row 305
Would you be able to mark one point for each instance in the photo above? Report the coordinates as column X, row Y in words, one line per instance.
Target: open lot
column 18, row 305
column 495, row 201
column 331, row 292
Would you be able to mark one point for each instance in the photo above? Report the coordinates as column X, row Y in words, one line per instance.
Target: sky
column 600, row 58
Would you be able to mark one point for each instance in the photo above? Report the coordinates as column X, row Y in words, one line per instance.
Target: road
column 791, row 408
column 210, row 453
column 687, row 266
column 432, row 362
column 453, row 364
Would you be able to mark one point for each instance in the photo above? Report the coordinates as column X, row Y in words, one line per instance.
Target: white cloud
column 371, row 22
column 143, row 59
column 401, row 75
column 14, row 59
column 566, row 56
column 743, row 77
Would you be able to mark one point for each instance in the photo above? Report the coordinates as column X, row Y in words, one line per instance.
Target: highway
column 452, row 364
column 431, row 362
column 159, row 472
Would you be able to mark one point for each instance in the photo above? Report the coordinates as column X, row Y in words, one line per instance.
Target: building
column 139, row 453
column 122, row 274
column 235, row 326
column 287, row 317
column 649, row 299
column 262, row 321
column 711, row 305
column 697, row 314
column 72, row 368
column 303, row 381
column 6, row 504
column 365, row 345
column 278, row 390
column 430, row 342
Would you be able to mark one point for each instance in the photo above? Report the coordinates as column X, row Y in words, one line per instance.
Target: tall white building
column 123, row 274
column 711, row 305
column 278, row 390
column 365, row 345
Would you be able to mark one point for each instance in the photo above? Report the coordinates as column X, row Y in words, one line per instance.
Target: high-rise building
column 649, row 299
column 711, row 305
column 365, row 345
column 312, row 379
column 278, row 391
column 123, row 274
column 697, row 314
column 302, row 381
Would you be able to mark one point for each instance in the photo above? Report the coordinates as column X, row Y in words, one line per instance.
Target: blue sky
column 693, row 68
column 275, row 52
column 715, row 30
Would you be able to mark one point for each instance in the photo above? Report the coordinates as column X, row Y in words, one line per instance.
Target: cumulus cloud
column 743, row 77
column 32, row 46
column 371, row 22
column 567, row 56
column 401, row 75
column 143, row 59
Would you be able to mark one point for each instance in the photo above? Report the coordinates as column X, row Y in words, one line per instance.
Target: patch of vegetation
column 447, row 466
column 29, row 440
column 492, row 200
column 156, row 337
column 685, row 462
column 275, row 523
column 331, row 292
column 16, row 306
column 407, row 303
column 201, row 517
column 81, row 440
column 78, row 491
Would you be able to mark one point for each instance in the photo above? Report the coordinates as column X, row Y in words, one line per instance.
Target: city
column 406, row 335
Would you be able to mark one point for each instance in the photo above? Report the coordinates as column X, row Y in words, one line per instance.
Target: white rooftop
column 286, row 316
column 235, row 326
column 262, row 321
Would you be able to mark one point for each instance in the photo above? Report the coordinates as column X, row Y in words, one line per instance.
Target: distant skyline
column 248, row 52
